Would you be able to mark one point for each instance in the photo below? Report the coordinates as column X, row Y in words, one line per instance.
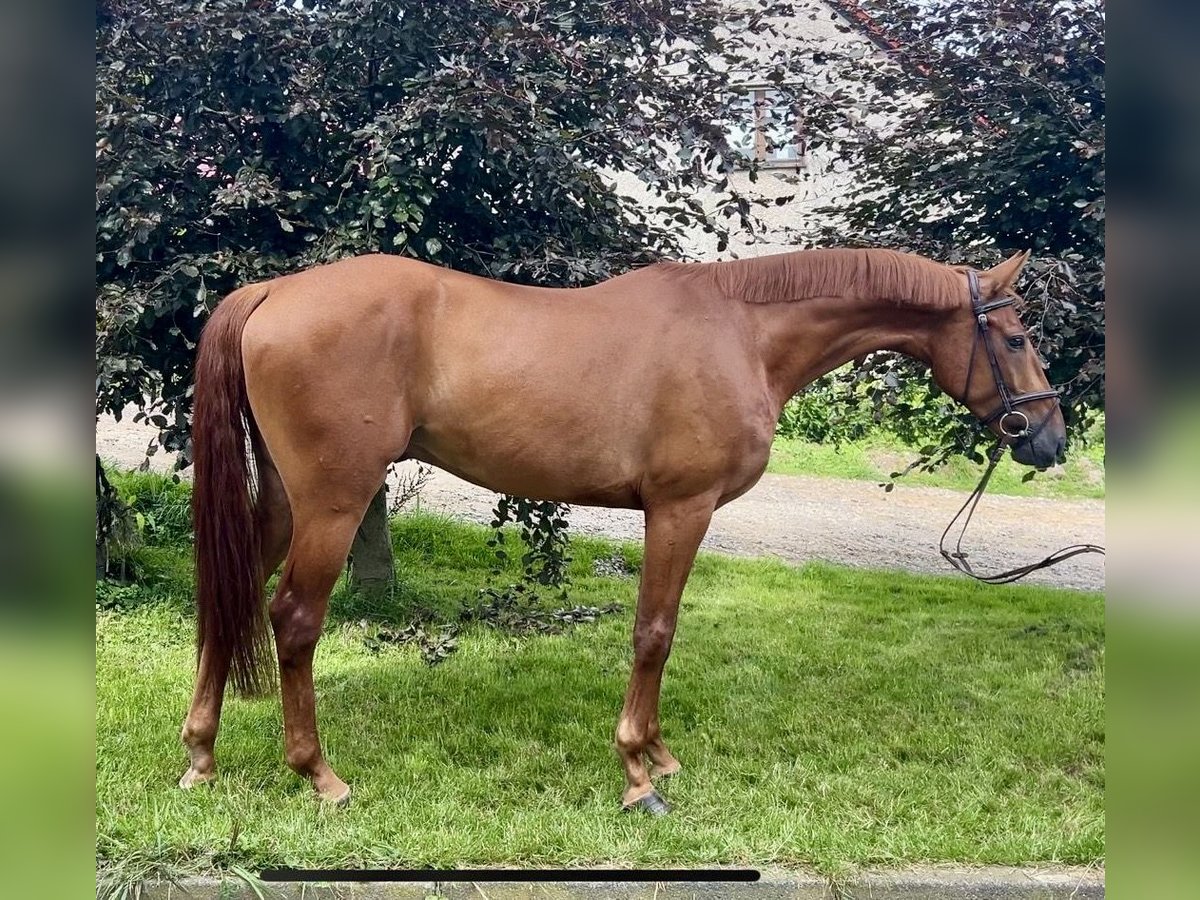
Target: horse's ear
column 1002, row 276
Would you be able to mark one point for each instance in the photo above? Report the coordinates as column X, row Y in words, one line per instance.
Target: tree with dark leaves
column 237, row 142
column 994, row 144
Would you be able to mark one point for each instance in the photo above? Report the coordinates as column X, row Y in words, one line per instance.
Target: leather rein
column 1013, row 425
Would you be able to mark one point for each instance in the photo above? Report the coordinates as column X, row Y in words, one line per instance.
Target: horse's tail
column 230, row 613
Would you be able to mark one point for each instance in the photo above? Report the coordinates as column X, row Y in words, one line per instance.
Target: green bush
column 823, row 414
column 150, row 512
column 161, row 505
column 837, row 409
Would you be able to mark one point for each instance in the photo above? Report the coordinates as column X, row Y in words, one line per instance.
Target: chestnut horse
column 657, row 390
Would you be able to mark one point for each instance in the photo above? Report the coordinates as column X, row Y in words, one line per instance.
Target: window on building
column 766, row 127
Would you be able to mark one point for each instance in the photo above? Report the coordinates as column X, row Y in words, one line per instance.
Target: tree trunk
column 106, row 498
column 372, row 568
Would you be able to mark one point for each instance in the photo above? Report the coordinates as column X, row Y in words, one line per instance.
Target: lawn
column 875, row 458
column 826, row 717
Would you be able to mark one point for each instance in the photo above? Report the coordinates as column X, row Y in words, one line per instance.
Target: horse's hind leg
column 204, row 717
column 327, row 514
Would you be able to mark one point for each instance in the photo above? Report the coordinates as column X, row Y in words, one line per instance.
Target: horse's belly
column 548, row 473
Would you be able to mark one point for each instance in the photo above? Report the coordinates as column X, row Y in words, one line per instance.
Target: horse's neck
column 802, row 340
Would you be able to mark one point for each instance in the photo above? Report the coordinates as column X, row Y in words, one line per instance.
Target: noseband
column 1014, row 425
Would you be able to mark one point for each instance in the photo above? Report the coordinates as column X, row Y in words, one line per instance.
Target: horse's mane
column 886, row 275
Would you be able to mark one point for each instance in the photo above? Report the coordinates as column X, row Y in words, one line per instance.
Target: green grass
column 825, row 717
column 876, row 457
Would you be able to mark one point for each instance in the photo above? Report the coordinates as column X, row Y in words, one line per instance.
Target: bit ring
column 1023, row 430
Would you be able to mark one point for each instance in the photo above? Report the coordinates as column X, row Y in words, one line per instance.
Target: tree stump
column 372, row 567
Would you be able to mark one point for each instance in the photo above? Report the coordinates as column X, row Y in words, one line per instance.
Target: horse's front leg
column 673, row 533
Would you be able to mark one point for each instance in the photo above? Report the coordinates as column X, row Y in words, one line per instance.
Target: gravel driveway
column 801, row 518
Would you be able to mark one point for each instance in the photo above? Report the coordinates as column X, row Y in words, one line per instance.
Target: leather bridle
column 1016, row 429
column 1008, row 401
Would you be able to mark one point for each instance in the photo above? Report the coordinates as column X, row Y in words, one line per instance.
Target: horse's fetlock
column 302, row 759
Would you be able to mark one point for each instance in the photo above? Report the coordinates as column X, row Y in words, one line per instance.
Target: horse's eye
column 1016, row 342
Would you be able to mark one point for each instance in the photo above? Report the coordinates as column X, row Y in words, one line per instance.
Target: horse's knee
column 652, row 641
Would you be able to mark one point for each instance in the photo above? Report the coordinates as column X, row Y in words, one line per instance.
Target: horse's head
column 983, row 356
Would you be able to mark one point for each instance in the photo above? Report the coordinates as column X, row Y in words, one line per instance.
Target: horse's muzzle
column 1046, row 448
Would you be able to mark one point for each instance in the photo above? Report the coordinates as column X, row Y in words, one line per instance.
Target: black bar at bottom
column 740, row 875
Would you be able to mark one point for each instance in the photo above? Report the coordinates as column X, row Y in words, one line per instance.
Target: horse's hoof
column 336, row 797
column 652, row 803
column 191, row 778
